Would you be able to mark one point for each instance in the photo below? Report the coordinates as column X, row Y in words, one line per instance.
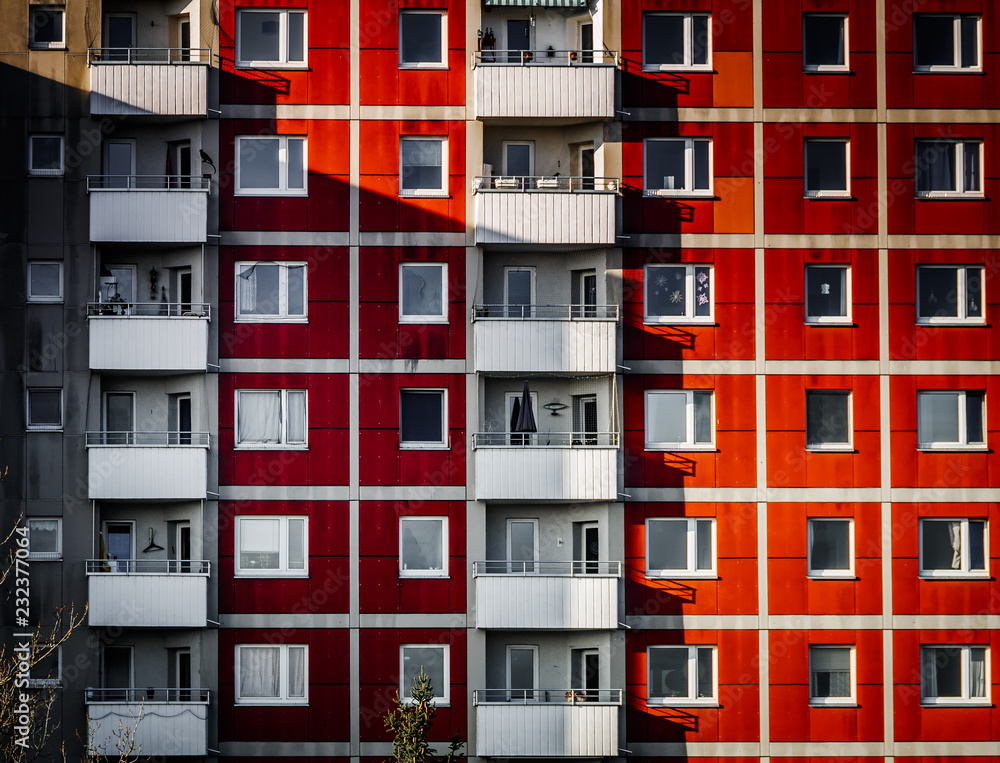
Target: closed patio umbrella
column 526, row 417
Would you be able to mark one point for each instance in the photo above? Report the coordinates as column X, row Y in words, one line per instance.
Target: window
column 678, row 167
column 423, row 547
column 45, row 409
column 422, row 418
column 826, row 167
column 270, row 38
column 828, row 420
column 272, row 674
column 952, row 547
column 423, row 167
column 950, row 419
column 831, row 548
column 45, row 282
column 677, row 293
column 831, row 675
column 270, row 291
column 46, row 670
column 954, row 674
column 828, row 294
column 678, row 418
column 274, row 418
column 948, row 168
column 433, row 658
column 679, row 674
column 422, row 37
column 269, row 166
column 45, row 155
column 47, row 26
column 675, row 41
column 423, row 289
column 680, row 547
column 945, row 42
column 44, row 538
column 950, row 294
column 271, row 546
column 824, row 42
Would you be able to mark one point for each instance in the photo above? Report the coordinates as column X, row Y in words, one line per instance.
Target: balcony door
column 522, row 673
column 120, row 540
column 522, row 545
column 116, row 673
column 587, row 167
column 518, row 39
column 587, row 548
column 180, row 678
column 518, row 291
column 180, row 546
column 119, row 418
column 586, row 42
column 178, row 167
column 119, row 35
column 519, row 160
column 182, row 38
column 585, row 293
column 180, row 418
column 585, row 674
column 585, row 419
column 118, row 286
column 119, row 163
column 181, row 289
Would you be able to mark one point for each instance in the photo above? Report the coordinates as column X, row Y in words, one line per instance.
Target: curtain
column 247, row 298
column 928, row 671
column 296, row 671
column 831, row 672
column 977, row 672
column 955, row 528
column 259, row 671
column 259, row 417
column 936, row 166
column 296, row 416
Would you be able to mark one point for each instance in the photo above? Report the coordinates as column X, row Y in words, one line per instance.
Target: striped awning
column 540, row 3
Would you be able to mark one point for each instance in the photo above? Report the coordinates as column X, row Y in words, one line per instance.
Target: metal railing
column 545, row 58
column 547, row 696
column 148, row 183
column 117, row 309
column 545, row 184
column 545, row 312
column 563, row 569
column 150, row 566
column 148, row 439
column 148, row 56
column 150, row 694
column 545, row 440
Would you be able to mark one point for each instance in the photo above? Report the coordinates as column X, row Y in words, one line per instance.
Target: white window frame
column 961, row 297
column 956, row 65
column 692, row 549
column 282, row 62
column 281, row 316
column 965, row 699
column 31, row 156
column 531, row 156
column 688, row 44
column 441, row 317
column 535, row 696
column 846, row 67
column 835, row 701
column 282, row 698
column 692, row 659
column 44, row 427
column 833, row 446
column 44, row 298
column 958, row 163
column 844, row 193
column 689, row 444
column 690, row 270
column 688, row 191
column 848, row 296
column 283, row 570
column 439, row 700
column 963, row 423
column 424, row 573
column 283, row 444
column 282, row 189
column 60, row 45
column 47, row 683
column 45, row 556
column 441, row 192
column 444, row 443
column 443, row 63
column 822, row 572
column 965, row 570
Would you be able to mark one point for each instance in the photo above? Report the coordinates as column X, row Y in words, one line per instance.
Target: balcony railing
column 545, row 58
column 547, row 696
column 151, row 466
column 118, row 309
column 546, row 569
column 149, row 82
column 149, row 566
column 148, row 439
column 544, row 183
column 545, row 440
column 100, row 56
column 148, row 208
column 166, row 722
column 545, row 312
column 141, row 593
column 148, row 183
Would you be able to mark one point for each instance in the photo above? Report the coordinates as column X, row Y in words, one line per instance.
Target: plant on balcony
column 411, row 721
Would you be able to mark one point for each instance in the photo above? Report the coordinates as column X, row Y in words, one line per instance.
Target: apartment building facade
column 738, row 255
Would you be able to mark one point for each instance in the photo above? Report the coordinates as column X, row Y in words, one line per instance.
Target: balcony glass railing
column 545, row 312
column 547, row 696
column 545, row 440
column 148, row 183
column 546, row 569
column 148, row 56
column 152, row 694
column 148, row 439
column 545, row 58
column 545, row 184
column 150, row 566
column 117, row 309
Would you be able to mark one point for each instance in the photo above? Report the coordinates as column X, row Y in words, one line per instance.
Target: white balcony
column 160, row 82
column 156, row 337
column 545, row 338
column 166, row 722
column 148, row 208
column 147, row 466
column 550, row 466
column 547, row 723
column 520, row 595
column 557, row 84
column 131, row 593
column 545, row 211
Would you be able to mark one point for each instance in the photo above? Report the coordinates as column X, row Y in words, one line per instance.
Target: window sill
column 821, row 704
column 47, row 46
column 955, row 576
column 429, row 446
column 690, row 195
column 677, row 702
column 949, row 196
column 423, row 321
column 839, row 322
column 268, row 65
column 423, row 67
column 952, row 323
column 271, row 447
column 427, row 576
column 297, row 575
column 680, row 449
column 44, row 429
column 821, row 576
column 680, row 322
column 952, row 449
column 821, row 449
column 828, row 197
column 826, row 70
column 951, row 70
column 700, row 68
column 272, row 703
column 681, row 576
column 424, row 195
column 955, row 703
column 44, row 558
column 46, row 173
column 44, row 300
column 270, row 193
column 270, row 319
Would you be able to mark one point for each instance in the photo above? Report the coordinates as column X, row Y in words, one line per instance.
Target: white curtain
column 259, row 667
column 247, row 298
column 977, row 672
column 296, row 671
column 296, row 416
column 259, row 417
column 955, row 528
column 928, row 671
